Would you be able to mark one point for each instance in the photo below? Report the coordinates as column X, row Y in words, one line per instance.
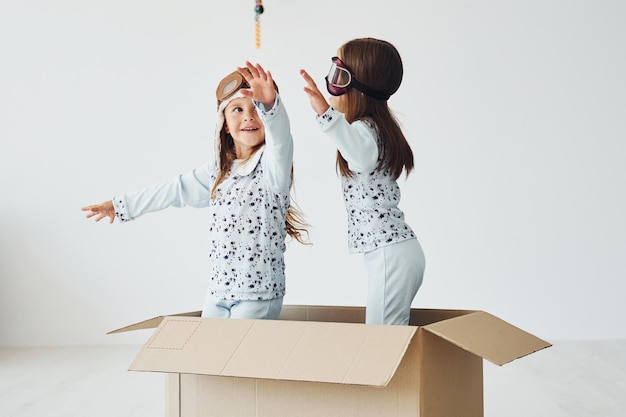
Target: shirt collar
column 245, row 168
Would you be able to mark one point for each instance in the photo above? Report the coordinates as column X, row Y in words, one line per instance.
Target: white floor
column 573, row 379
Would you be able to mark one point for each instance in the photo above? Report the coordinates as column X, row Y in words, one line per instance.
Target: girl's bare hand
column 101, row 210
column 261, row 84
column 318, row 102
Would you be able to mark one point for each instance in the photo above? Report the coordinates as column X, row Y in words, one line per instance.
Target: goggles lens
column 230, row 85
column 339, row 78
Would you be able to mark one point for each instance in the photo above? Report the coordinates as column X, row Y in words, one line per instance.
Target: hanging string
column 258, row 10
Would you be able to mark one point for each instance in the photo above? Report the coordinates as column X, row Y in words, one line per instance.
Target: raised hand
column 262, row 88
column 101, row 210
column 318, row 102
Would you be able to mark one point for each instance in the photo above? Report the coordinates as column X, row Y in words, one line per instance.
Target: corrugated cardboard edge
column 294, row 312
column 152, row 323
column 488, row 336
column 323, row 313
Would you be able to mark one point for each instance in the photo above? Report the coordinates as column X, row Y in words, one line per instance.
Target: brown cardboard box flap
column 151, row 323
column 487, row 336
column 288, row 312
column 343, row 353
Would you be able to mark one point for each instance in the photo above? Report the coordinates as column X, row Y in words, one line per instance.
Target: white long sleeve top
column 371, row 196
column 246, row 219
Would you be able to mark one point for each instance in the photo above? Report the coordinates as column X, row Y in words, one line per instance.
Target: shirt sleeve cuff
column 268, row 114
column 121, row 212
column 327, row 118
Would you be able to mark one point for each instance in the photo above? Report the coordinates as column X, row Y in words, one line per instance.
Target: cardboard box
column 323, row 361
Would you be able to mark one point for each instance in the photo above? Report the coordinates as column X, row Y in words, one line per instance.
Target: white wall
column 515, row 112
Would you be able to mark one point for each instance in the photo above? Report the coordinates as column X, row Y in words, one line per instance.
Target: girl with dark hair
column 372, row 153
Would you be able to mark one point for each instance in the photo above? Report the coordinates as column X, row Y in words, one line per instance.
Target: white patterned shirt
column 246, row 219
column 371, row 196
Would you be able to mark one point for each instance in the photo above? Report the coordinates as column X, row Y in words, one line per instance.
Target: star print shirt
column 246, row 219
column 371, row 196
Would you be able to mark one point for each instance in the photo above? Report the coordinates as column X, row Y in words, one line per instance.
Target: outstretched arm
column 356, row 142
column 191, row 189
column 101, row 210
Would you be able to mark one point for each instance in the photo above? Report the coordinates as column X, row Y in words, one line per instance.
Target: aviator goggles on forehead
column 232, row 83
column 340, row 79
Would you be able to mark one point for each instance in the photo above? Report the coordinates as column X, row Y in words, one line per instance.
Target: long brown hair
column 295, row 224
column 377, row 64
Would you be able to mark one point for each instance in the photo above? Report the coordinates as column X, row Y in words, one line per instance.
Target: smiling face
column 244, row 126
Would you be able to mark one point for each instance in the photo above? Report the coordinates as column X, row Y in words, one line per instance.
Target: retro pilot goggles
column 232, row 83
column 340, row 79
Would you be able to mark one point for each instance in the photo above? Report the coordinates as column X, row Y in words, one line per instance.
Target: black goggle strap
column 378, row 95
column 335, row 69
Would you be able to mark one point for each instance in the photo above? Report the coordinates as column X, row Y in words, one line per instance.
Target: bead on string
column 258, row 11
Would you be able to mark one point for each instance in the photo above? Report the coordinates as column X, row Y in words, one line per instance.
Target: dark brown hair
column 376, row 63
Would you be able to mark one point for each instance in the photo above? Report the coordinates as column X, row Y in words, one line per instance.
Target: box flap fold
column 487, row 336
column 343, row 353
column 151, row 323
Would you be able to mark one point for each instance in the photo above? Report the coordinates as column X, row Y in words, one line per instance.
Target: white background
column 515, row 112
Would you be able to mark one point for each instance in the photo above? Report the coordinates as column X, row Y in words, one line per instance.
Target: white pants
column 395, row 273
column 242, row 309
